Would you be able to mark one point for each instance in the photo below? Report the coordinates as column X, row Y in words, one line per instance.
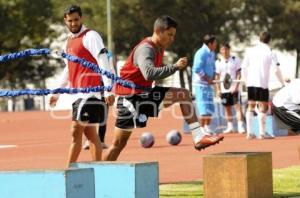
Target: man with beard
column 86, row 107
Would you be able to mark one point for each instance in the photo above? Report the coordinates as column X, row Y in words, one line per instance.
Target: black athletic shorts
column 289, row 118
column 88, row 110
column 134, row 110
column 230, row 99
column 258, row 94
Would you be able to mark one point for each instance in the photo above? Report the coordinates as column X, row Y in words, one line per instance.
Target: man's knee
column 251, row 106
column 237, row 107
column 263, row 107
column 183, row 94
column 75, row 132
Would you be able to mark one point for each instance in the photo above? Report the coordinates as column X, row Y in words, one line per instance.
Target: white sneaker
column 251, row 136
column 86, row 145
column 209, row 130
column 228, row 130
column 241, row 129
column 204, row 131
column 266, row 136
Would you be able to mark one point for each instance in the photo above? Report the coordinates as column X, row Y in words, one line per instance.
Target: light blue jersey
column 204, row 65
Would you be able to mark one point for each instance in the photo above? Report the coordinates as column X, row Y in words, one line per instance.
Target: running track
column 42, row 140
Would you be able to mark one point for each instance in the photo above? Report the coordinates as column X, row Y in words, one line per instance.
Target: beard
column 75, row 31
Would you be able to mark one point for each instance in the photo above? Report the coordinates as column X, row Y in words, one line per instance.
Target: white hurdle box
column 69, row 183
column 124, row 179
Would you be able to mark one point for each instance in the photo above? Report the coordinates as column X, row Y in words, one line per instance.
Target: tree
column 25, row 24
column 286, row 28
column 133, row 20
column 228, row 20
column 278, row 17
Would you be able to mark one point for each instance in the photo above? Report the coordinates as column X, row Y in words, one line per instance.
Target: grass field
column 286, row 183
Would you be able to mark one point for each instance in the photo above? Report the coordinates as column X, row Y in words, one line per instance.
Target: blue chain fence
column 81, row 61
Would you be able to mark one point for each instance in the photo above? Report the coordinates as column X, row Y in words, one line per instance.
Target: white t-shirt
column 257, row 63
column 230, row 66
column 93, row 42
column 288, row 96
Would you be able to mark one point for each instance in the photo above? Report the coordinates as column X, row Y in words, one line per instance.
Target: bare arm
column 62, row 82
column 218, row 85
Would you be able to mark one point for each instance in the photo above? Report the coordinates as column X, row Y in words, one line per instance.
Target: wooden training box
column 238, row 175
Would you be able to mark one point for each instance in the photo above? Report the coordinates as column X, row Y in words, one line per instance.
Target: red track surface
column 43, row 142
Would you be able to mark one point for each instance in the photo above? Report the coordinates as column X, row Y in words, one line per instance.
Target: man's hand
column 110, row 100
column 181, row 63
column 53, row 100
column 209, row 81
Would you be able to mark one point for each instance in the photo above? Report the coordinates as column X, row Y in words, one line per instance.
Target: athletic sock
column 208, row 129
column 230, row 125
column 262, row 122
column 241, row 126
column 249, row 117
column 197, row 131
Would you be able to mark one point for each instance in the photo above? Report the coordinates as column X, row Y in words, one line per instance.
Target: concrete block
column 71, row 183
column 124, row 179
column 238, row 175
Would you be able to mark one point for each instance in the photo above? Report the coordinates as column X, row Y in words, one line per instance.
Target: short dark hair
column 71, row 9
column 264, row 37
column 164, row 22
column 209, row 38
column 225, row 44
